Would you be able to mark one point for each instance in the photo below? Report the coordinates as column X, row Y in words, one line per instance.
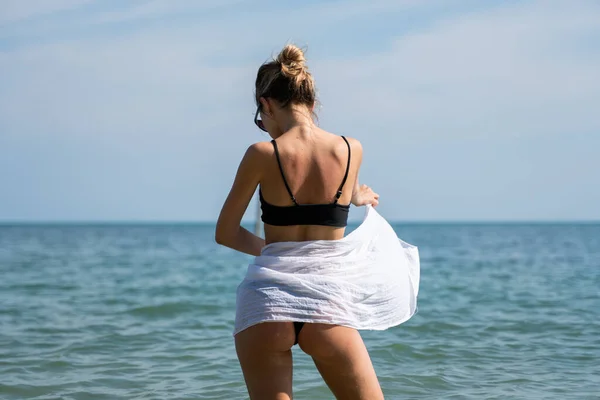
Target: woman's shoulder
column 355, row 144
column 260, row 151
column 261, row 148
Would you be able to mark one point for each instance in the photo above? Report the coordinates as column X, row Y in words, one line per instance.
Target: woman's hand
column 364, row 195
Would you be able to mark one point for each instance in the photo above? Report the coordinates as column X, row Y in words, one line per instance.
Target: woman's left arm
column 229, row 232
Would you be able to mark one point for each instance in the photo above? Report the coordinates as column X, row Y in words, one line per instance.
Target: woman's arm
column 361, row 194
column 229, row 232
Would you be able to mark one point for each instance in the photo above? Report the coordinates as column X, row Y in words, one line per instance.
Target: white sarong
column 367, row 280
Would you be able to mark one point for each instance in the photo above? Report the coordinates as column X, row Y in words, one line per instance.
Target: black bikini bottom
column 298, row 327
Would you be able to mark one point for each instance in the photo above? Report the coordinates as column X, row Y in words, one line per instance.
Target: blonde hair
column 286, row 79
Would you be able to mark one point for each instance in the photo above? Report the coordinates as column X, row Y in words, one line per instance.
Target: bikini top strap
column 281, row 170
column 339, row 192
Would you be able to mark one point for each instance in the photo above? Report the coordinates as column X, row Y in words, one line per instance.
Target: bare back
column 314, row 165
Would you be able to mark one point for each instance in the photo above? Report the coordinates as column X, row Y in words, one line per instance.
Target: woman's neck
column 296, row 117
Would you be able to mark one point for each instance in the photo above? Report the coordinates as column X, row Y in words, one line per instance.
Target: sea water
column 109, row 311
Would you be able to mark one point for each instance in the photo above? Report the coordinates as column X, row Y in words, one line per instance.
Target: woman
column 308, row 178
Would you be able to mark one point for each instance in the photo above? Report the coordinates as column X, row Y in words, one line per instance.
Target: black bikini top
column 330, row 214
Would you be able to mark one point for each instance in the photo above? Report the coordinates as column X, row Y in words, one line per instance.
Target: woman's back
column 314, row 163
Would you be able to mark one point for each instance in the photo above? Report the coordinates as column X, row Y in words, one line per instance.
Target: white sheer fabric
column 367, row 280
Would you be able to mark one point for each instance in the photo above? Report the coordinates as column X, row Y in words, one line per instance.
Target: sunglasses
column 259, row 122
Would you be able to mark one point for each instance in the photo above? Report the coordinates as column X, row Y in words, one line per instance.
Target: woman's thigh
column 342, row 359
column 264, row 352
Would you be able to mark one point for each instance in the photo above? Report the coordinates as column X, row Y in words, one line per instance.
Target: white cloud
column 17, row 10
column 161, row 9
column 512, row 71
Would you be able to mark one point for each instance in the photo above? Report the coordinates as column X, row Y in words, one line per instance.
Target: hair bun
column 292, row 61
column 286, row 79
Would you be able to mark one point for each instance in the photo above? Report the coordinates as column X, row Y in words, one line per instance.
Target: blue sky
column 141, row 110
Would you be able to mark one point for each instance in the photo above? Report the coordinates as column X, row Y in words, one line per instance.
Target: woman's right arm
column 229, row 231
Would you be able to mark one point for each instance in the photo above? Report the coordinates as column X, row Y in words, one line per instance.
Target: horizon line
column 350, row 222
